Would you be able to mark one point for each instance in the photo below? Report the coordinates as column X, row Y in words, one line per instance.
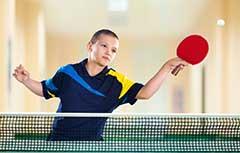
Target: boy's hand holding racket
column 193, row 49
column 175, row 62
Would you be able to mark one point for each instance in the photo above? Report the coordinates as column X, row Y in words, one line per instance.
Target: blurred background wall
column 46, row 34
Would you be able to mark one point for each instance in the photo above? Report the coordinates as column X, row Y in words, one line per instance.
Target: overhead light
column 118, row 5
column 220, row 22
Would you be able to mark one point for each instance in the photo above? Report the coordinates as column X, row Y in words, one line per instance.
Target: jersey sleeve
column 53, row 86
column 129, row 88
column 131, row 93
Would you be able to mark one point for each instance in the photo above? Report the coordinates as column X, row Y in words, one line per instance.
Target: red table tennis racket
column 193, row 49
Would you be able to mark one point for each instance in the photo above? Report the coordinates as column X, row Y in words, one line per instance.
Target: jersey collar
column 100, row 75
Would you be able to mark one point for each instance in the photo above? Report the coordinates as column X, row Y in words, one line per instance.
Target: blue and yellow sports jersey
column 80, row 92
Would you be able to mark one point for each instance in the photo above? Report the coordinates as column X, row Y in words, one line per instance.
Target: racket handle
column 176, row 70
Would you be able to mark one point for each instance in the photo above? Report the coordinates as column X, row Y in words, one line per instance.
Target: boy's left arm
column 156, row 81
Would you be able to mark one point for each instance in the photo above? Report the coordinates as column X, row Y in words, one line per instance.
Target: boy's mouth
column 107, row 58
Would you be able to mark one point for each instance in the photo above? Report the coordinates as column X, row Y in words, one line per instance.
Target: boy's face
column 104, row 50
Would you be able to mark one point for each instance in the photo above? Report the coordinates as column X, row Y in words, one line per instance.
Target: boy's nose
column 108, row 52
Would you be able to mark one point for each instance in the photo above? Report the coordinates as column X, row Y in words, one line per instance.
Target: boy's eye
column 104, row 45
column 114, row 51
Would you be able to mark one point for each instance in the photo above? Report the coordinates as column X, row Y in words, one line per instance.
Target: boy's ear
column 89, row 46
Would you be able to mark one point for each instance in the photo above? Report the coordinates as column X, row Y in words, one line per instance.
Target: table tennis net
column 123, row 133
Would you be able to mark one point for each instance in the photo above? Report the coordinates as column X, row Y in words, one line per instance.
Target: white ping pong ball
column 220, row 22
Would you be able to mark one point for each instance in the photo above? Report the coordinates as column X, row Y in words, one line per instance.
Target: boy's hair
column 102, row 31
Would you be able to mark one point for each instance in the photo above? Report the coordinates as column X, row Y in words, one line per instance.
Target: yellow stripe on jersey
column 126, row 83
column 51, row 94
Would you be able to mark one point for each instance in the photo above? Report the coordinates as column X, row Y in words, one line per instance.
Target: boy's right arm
column 23, row 77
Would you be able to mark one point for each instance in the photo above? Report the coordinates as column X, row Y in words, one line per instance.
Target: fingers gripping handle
column 176, row 70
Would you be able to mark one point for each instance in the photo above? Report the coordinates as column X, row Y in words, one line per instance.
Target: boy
column 90, row 86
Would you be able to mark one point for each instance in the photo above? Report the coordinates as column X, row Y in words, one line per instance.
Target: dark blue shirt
column 80, row 92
